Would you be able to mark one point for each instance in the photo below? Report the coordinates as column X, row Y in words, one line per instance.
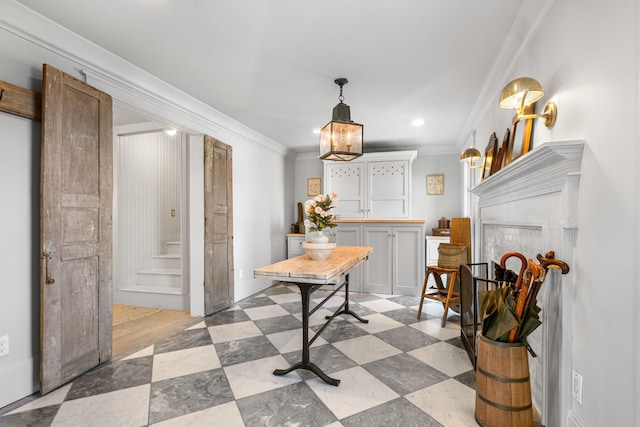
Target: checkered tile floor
column 394, row 371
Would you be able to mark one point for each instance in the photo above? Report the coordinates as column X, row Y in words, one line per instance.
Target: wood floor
column 135, row 326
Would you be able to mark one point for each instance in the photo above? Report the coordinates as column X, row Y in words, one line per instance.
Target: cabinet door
column 351, row 236
column 377, row 271
column 347, row 181
column 388, row 189
column 408, row 260
column 294, row 246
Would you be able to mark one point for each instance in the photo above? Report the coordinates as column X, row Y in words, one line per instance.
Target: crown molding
column 524, row 28
column 129, row 85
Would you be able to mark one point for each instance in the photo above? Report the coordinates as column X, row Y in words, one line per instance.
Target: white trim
column 527, row 21
column 129, row 85
column 573, row 420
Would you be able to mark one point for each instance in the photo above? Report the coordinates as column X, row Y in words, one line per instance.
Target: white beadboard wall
column 147, row 178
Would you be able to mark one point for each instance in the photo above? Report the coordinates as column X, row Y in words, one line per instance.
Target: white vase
column 319, row 237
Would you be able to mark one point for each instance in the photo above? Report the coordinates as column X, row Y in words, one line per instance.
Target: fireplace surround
column 531, row 206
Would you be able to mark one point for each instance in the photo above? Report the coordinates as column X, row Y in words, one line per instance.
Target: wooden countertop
column 407, row 221
column 295, row 235
column 302, row 269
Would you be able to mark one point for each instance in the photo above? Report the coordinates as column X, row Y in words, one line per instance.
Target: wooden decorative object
column 520, row 136
column 19, row 101
column 489, row 155
column 502, row 153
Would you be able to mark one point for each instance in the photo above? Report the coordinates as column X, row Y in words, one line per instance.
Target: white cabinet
column 375, row 186
column 294, row 245
column 396, row 265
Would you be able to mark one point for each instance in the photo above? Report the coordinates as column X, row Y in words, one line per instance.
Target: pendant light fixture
column 341, row 138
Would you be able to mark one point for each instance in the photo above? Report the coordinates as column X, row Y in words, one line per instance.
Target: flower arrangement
column 318, row 210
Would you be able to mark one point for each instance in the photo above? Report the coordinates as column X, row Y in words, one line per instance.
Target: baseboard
column 19, row 379
column 573, row 420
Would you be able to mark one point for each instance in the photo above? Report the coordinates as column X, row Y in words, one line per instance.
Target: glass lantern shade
column 341, row 138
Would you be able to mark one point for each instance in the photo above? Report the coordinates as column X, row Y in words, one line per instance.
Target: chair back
column 461, row 233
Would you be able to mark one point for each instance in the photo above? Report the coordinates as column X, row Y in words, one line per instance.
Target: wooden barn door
column 218, row 220
column 76, row 236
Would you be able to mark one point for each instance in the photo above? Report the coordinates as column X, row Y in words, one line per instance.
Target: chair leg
column 424, row 291
column 452, row 282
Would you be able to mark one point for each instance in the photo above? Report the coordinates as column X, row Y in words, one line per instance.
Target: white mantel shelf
column 547, row 169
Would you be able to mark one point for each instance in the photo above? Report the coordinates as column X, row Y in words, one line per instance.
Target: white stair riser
column 174, row 247
column 159, row 280
column 167, row 262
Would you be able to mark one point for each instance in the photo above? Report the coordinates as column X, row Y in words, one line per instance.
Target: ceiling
column 271, row 64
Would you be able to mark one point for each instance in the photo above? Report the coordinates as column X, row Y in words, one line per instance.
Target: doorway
column 151, row 295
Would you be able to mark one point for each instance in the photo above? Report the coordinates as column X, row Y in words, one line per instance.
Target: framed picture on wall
column 520, row 136
column 435, row 185
column 490, row 154
column 502, row 152
column 314, row 186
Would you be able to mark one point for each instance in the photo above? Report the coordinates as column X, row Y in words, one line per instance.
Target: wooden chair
column 447, row 295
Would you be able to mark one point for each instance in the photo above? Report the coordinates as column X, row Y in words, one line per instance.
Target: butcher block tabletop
column 303, row 269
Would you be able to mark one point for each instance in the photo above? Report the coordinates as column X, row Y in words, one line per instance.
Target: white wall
column 259, row 173
column 586, row 57
column 429, row 208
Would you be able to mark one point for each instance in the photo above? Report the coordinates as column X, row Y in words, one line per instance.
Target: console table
column 310, row 275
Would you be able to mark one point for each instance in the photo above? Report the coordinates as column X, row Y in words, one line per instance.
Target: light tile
column 382, row 305
column 433, row 327
column 183, row 362
column 366, row 349
column 445, row 357
column 127, row 407
column 147, row 351
column 289, row 341
column 377, row 323
column 285, row 298
column 450, row 402
column 256, row 376
column 334, row 301
column 56, row 397
column 358, row 391
column 318, row 318
column 209, row 417
column 233, row 331
column 265, row 311
column 197, row 326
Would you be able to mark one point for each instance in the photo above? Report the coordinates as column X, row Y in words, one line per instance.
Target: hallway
column 394, row 371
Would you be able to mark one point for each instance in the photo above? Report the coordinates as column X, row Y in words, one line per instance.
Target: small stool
column 445, row 295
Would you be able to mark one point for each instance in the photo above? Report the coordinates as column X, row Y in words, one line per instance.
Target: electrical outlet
column 4, row 345
column 240, row 273
column 576, row 386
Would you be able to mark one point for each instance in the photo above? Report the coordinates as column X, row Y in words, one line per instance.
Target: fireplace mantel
column 531, row 206
column 549, row 168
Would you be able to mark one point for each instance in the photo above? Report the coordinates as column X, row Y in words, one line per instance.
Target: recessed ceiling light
column 171, row 132
column 417, row 122
column 316, row 131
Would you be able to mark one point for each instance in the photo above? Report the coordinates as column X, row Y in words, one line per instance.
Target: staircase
column 166, row 274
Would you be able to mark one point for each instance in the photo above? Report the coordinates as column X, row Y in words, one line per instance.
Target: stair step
column 160, row 277
column 167, row 261
column 174, row 247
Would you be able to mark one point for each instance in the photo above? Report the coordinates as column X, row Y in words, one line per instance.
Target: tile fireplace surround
column 531, row 207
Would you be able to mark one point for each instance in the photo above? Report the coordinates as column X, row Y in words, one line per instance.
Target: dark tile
column 406, row 338
column 294, row 405
column 467, row 378
column 189, row 393
column 182, row 339
column 35, row 417
column 226, row 317
column 456, row 341
column 398, row 412
column 244, row 350
column 112, row 376
column 277, row 324
column 404, row 374
column 326, row 357
column 278, row 290
column 406, row 315
column 255, row 302
column 340, row 330
column 406, row 300
column 292, row 307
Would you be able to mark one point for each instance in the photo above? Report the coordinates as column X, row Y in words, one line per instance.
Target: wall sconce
column 341, row 138
column 525, row 91
column 470, row 155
